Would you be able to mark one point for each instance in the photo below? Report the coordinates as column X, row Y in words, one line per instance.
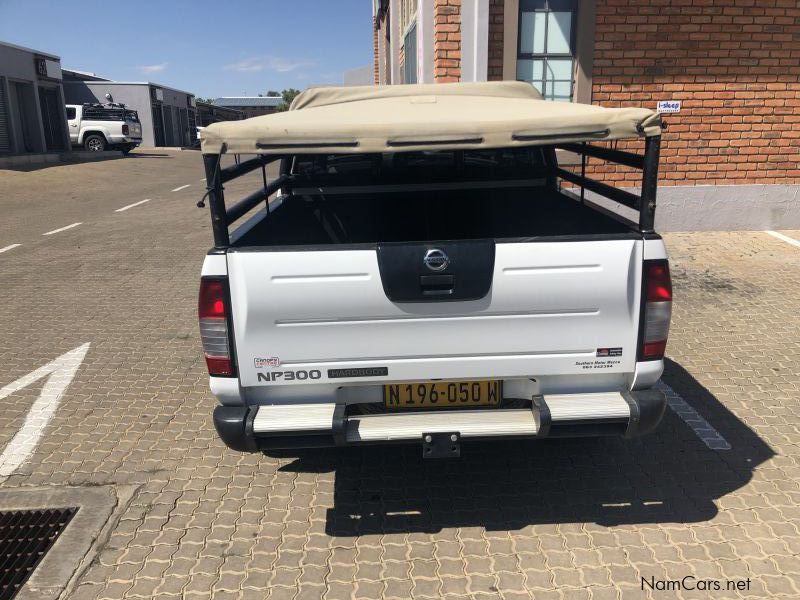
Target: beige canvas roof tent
column 370, row 119
column 430, row 117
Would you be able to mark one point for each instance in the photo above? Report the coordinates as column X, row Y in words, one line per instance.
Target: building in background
column 208, row 113
column 168, row 116
column 32, row 113
column 726, row 72
column 358, row 76
column 251, row 106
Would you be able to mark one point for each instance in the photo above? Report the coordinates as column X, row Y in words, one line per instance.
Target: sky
column 219, row 48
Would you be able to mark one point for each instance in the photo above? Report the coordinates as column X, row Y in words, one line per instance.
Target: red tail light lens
column 212, row 310
column 657, row 309
column 125, row 130
column 659, row 284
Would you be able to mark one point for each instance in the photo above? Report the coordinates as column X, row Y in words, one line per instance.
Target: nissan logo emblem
column 436, row 260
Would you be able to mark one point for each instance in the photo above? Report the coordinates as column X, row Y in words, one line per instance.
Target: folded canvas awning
column 397, row 118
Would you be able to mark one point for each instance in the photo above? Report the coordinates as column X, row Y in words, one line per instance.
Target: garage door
column 168, row 131
column 192, row 128
column 5, row 138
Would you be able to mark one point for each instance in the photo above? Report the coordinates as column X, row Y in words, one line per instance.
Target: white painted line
column 785, row 238
column 702, row 428
column 132, row 205
column 7, row 248
column 183, row 187
column 63, row 228
column 203, row 179
column 60, row 373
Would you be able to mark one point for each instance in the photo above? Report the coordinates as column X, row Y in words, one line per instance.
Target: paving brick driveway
column 550, row 519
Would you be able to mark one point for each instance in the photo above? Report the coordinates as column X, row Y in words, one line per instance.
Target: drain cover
column 25, row 537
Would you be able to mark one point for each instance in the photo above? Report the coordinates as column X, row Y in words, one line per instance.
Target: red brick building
column 733, row 65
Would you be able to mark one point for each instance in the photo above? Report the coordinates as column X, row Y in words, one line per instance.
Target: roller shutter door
column 5, row 138
column 169, row 132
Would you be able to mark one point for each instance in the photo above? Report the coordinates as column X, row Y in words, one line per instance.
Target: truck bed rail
column 644, row 202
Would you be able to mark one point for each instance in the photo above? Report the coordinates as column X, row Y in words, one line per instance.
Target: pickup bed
column 432, row 295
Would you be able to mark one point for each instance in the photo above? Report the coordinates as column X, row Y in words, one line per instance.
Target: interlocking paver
column 560, row 518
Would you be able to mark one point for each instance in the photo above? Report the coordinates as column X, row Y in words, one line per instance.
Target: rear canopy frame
column 388, row 119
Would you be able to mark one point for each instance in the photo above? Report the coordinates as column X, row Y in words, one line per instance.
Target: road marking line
column 63, row 228
column 7, row 248
column 132, row 205
column 702, row 428
column 60, row 373
column 183, row 187
column 203, row 179
column 785, row 238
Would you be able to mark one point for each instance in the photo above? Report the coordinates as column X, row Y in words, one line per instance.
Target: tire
column 94, row 142
column 127, row 149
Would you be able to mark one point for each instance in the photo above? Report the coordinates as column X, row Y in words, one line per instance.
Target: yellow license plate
column 443, row 394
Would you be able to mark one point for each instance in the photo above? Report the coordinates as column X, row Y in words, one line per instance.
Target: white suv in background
column 99, row 127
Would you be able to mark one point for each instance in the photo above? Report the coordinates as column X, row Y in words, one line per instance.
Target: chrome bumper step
column 552, row 414
column 469, row 423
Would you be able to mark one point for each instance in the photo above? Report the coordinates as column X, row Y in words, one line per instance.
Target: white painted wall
column 425, row 42
column 474, row 40
column 394, row 40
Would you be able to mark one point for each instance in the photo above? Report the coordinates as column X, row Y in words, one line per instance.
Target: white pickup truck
column 423, row 271
column 99, row 127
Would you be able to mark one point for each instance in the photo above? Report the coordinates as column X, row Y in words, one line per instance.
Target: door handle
column 436, row 285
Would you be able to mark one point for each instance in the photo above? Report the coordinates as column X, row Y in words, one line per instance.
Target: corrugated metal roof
column 269, row 101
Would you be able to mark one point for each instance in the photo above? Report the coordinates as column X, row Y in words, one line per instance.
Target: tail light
column 212, row 310
column 657, row 308
column 125, row 130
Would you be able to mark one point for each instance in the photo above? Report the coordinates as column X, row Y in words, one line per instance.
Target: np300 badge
column 436, row 259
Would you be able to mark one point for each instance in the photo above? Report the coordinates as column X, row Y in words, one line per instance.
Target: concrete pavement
column 549, row 519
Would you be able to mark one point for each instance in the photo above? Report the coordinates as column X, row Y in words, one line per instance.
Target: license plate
column 443, row 394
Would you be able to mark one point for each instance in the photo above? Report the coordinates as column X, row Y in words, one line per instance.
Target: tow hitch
column 441, row 444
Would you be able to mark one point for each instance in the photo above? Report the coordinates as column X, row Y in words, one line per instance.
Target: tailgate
column 552, row 308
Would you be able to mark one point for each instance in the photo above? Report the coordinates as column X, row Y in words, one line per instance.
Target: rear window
column 109, row 114
column 70, row 113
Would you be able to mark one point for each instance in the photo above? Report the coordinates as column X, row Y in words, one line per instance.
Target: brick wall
column 495, row 53
column 447, row 40
column 734, row 64
column 376, row 59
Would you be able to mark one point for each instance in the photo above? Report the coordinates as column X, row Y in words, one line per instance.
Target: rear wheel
column 94, row 142
column 127, row 148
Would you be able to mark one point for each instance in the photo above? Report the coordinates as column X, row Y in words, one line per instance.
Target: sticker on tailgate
column 272, row 361
column 358, row 372
column 609, row 352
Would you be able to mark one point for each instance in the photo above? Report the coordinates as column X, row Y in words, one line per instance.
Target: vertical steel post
column 583, row 173
column 647, row 207
column 216, row 200
column 264, row 179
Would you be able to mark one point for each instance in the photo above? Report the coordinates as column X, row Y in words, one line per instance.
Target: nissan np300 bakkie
column 419, row 268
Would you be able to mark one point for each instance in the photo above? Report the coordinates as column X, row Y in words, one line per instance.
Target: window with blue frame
column 410, row 54
column 546, row 46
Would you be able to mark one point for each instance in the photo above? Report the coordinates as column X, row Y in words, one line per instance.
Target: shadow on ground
column 667, row 476
column 148, row 155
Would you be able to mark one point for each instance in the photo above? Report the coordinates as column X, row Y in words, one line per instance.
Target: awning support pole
column 583, row 172
column 216, row 200
column 264, row 179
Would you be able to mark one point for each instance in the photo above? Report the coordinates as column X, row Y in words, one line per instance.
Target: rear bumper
column 288, row 426
column 124, row 140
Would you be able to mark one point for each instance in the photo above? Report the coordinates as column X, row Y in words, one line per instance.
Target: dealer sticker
column 272, row 361
column 604, row 352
